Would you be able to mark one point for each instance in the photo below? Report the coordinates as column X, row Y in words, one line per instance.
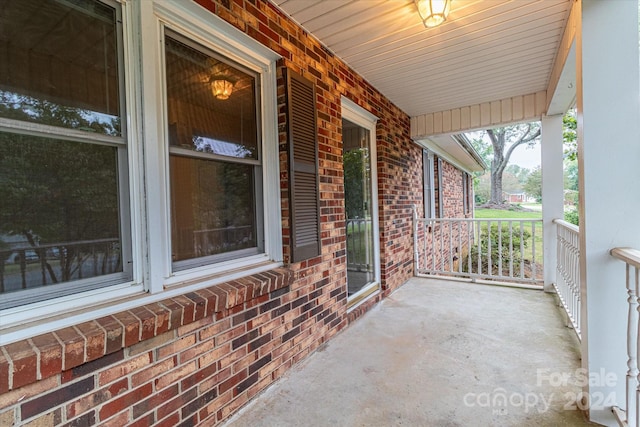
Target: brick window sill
column 43, row 356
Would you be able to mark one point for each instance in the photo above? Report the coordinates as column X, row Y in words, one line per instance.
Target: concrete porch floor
column 435, row 353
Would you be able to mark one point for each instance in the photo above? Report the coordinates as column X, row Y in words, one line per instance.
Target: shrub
column 572, row 216
column 500, row 250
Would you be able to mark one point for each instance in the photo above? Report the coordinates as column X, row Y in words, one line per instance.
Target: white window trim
column 12, row 320
column 428, row 184
column 148, row 174
column 194, row 22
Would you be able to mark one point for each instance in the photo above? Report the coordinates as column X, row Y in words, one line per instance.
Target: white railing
column 567, row 284
column 631, row 417
column 505, row 250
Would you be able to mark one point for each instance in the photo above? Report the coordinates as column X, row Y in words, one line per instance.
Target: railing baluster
column 631, row 415
column 500, row 273
column 633, row 405
column 441, row 242
column 632, row 349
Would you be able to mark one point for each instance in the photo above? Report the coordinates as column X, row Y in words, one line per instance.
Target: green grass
column 506, row 214
column 496, row 213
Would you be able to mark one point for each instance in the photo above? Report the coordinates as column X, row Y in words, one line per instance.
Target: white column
column 609, row 163
column 552, row 193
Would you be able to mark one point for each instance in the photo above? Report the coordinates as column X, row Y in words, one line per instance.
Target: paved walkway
column 435, row 353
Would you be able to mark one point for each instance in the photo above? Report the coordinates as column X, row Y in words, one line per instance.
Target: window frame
column 148, row 184
column 190, row 21
column 428, row 182
column 255, row 163
column 64, row 296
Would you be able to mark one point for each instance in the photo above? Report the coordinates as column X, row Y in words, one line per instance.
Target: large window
column 135, row 155
column 428, row 184
column 63, row 152
column 215, row 159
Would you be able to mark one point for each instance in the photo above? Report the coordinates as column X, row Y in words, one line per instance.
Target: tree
column 519, row 172
column 533, row 186
column 570, row 134
column 504, row 141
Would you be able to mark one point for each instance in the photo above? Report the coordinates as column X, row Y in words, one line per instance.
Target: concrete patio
column 436, row 353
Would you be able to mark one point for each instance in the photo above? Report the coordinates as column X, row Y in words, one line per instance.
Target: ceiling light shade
column 221, row 88
column 433, row 12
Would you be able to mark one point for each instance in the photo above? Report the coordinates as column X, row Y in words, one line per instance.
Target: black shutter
column 302, row 137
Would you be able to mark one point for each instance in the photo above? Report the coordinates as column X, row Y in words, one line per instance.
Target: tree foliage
column 504, row 141
column 570, row 134
column 533, row 185
column 53, row 190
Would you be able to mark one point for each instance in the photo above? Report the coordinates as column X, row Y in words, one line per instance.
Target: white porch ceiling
column 487, row 50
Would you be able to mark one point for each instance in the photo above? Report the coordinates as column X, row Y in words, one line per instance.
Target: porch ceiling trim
column 480, row 116
column 561, row 88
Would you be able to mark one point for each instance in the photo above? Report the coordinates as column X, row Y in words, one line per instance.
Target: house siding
column 197, row 358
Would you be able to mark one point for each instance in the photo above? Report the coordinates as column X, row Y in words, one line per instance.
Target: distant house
column 520, row 197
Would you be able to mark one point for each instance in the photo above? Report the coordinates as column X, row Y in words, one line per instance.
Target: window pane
column 223, row 123
column 59, row 215
column 212, row 207
column 59, row 64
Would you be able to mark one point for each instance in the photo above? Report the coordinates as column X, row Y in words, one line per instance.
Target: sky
column 526, row 157
column 523, row 156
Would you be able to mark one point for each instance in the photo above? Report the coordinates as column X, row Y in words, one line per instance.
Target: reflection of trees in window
column 58, row 192
column 214, row 156
column 29, row 109
column 355, row 164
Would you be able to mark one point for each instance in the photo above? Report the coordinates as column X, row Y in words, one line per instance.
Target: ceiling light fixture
column 221, row 87
column 433, row 12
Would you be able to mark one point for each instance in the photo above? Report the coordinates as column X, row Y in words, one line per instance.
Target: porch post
column 609, row 173
column 552, row 193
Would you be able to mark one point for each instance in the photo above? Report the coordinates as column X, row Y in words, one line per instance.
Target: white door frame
column 361, row 117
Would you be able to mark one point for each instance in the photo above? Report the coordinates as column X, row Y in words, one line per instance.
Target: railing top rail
column 629, row 255
column 567, row 225
column 483, row 219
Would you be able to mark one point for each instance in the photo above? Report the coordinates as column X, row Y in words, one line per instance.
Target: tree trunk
column 496, row 188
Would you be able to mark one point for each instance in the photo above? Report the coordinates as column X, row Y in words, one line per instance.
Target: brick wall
column 442, row 246
column 197, row 358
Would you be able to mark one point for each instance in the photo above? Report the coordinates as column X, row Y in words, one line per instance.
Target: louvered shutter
column 302, row 137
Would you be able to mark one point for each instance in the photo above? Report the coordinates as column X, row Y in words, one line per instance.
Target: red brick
column 147, row 322
column 125, row 401
column 92, row 400
column 232, row 382
column 92, row 367
column 188, row 308
column 216, row 328
column 95, row 338
column 170, row 421
column 161, row 318
column 117, row 421
column 155, row 400
column 200, row 305
column 50, row 351
column 55, row 398
column 27, row 392
column 176, row 346
column 145, row 421
column 131, row 325
column 4, row 373
column 73, row 347
column 175, row 375
column 25, row 363
column 123, row 369
column 211, row 300
column 176, row 403
column 114, row 333
column 175, row 312
column 152, row 371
